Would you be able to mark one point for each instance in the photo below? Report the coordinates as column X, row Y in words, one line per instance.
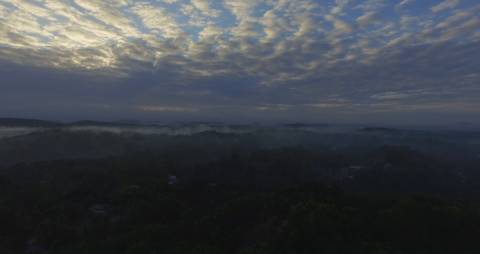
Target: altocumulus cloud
column 241, row 58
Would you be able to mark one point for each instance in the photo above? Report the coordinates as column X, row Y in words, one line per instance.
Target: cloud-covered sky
column 386, row 61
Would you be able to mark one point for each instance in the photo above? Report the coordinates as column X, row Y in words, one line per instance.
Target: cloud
column 241, row 9
column 390, row 95
column 157, row 20
column 114, row 17
column 210, row 32
column 367, row 18
column 263, row 55
column 403, row 4
column 150, row 108
column 339, row 25
column 205, row 8
column 274, row 107
column 447, row 4
column 339, row 7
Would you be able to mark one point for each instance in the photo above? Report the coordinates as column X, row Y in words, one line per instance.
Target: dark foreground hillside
column 238, row 190
column 133, row 205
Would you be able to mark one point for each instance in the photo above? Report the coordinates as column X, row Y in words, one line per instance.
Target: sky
column 338, row 61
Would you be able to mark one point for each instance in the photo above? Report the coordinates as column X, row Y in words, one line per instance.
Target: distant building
column 33, row 247
column 172, row 180
column 99, row 209
column 355, row 167
column 132, row 188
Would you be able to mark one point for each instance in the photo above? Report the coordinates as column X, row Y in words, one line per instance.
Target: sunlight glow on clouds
column 362, row 51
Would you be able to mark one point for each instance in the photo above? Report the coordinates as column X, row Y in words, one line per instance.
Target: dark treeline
column 269, row 191
column 285, row 200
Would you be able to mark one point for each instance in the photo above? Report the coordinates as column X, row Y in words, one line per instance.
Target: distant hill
column 305, row 125
column 100, row 123
column 379, row 129
column 23, row 122
column 15, row 122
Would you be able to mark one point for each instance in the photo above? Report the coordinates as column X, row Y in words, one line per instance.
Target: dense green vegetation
column 286, row 200
column 246, row 190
